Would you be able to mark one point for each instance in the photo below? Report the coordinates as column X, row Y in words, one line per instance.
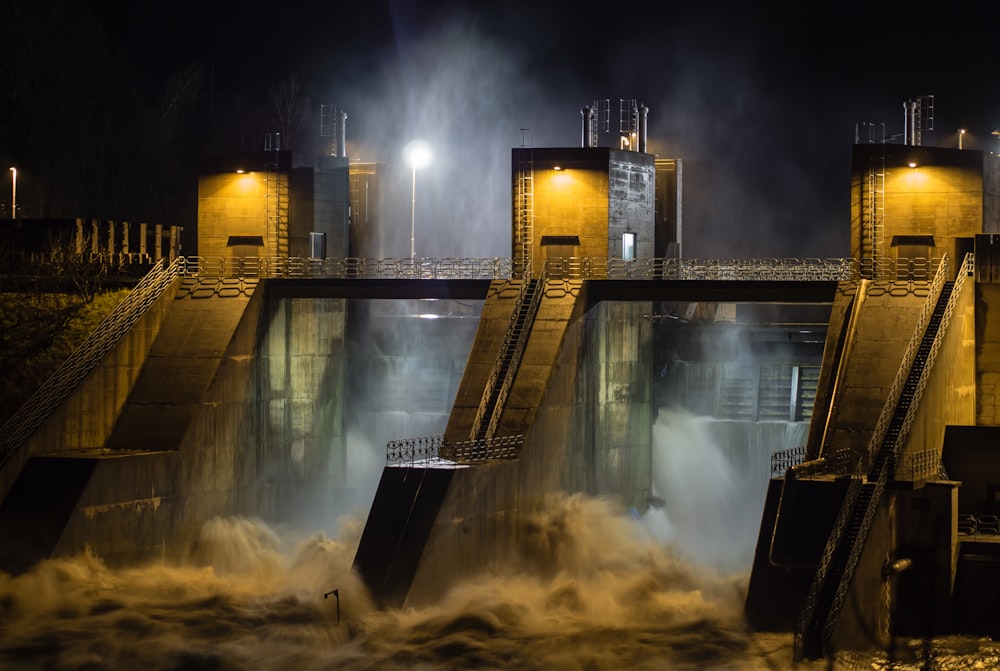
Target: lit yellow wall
column 946, row 202
column 942, row 196
column 571, row 202
column 230, row 204
column 987, row 353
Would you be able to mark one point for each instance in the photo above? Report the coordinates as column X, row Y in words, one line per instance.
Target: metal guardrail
column 986, row 525
column 519, row 342
column 880, row 478
column 782, row 460
column 510, row 336
column 425, row 448
column 851, row 497
column 347, row 268
column 16, row 431
column 735, row 269
column 917, row 466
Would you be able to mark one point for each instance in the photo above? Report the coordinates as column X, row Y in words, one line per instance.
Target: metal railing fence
column 735, row 269
column 429, row 448
column 16, row 431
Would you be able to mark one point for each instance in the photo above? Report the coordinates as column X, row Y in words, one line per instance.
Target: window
column 628, row 246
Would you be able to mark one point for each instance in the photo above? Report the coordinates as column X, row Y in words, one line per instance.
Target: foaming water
column 711, row 512
column 594, row 592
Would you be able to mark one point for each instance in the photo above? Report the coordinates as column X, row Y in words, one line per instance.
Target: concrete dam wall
column 276, row 400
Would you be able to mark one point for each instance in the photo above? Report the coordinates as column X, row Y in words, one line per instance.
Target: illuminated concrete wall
column 231, row 205
column 991, row 193
column 234, row 208
column 949, row 396
column 86, row 418
column 928, row 195
column 589, row 431
column 298, row 394
column 885, row 325
column 988, row 355
column 987, row 330
column 583, row 201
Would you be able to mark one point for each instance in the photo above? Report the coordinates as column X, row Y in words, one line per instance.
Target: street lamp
column 13, row 193
column 961, row 134
column 418, row 155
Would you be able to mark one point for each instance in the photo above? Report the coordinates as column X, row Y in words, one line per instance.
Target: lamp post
column 418, row 155
column 13, row 193
column 961, row 135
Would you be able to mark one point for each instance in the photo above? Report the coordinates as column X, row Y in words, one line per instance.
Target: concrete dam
column 211, row 395
column 215, row 395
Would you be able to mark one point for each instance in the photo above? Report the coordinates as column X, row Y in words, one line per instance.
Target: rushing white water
column 597, row 594
column 596, row 589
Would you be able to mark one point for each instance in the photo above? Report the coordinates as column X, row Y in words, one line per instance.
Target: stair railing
column 515, row 360
column 847, row 509
column 886, row 467
column 16, row 431
column 510, row 339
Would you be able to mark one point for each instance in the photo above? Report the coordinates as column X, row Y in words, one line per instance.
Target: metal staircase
column 511, row 350
column 850, row 531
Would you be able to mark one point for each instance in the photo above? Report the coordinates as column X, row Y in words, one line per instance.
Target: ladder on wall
column 873, row 215
column 276, row 202
column 524, row 212
column 628, row 123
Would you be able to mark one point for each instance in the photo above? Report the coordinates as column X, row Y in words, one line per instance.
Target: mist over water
column 592, row 592
column 594, row 589
column 710, row 513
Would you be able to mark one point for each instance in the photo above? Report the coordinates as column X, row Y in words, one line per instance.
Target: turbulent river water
column 601, row 589
column 606, row 595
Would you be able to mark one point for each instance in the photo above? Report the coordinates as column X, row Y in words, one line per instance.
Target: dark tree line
column 93, row 135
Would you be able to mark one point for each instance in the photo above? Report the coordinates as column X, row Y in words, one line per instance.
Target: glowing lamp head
column 417, row 154
column 912, row 164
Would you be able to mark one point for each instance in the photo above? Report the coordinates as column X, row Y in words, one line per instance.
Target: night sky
column 761, row 103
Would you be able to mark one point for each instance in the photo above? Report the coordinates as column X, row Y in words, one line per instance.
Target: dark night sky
column 761, row 103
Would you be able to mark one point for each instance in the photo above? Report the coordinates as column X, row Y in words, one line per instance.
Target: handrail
column 515, row 359
column 886, row 468
column 876, row 446
column 509, row 336
column 735, row 269
column 429, row 448
column 16, row 431
column 909, row 354
column 854, row 487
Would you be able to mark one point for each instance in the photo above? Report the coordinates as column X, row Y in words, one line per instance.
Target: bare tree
column 288, row 109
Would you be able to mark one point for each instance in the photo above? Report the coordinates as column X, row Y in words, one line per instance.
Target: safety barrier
column 987, row 525
column 429, row 448
column 734, row 269
column 87, row 356
column 782, row 460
